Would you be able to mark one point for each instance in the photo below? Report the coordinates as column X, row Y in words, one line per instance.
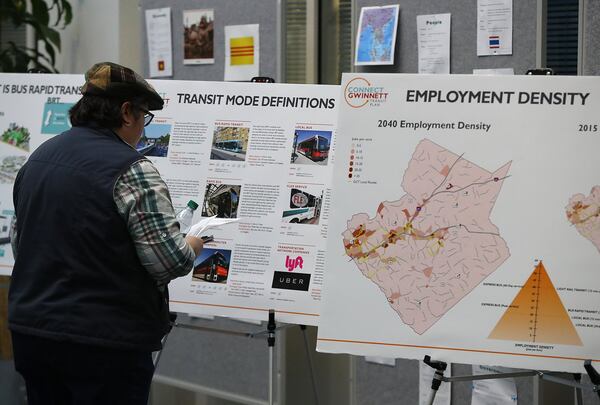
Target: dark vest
column 77, row 276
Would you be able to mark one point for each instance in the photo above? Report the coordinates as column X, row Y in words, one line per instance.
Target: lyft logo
column 292, row 264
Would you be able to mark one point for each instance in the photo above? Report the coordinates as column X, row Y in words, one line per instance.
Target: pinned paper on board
column 434, row 43
column 198, row 37
column 494, row 27
column 242, row 52
column 376, row 38
column 158, row 33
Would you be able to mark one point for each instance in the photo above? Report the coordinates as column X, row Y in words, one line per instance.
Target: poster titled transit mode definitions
column 466, row 221
column 260, row 153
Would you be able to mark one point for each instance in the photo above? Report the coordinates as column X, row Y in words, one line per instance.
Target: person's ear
column 127, row 114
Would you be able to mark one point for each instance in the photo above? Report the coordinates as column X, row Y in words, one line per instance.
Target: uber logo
column 291, row 281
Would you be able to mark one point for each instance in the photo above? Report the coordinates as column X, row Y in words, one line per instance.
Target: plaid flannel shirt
column 144, row 203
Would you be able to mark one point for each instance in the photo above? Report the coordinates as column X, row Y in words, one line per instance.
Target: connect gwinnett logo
column 359, row 92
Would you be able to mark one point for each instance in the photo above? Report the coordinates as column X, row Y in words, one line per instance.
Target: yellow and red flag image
column 242, row 50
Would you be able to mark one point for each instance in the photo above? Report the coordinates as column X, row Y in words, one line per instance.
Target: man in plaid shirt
column 96, row 242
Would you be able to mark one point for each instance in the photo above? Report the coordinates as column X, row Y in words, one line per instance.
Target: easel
column 440, row 367
column 271, row 328
column 269, row 333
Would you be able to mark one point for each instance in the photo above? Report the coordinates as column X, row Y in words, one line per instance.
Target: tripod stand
column 440, row 367
column 270, row 334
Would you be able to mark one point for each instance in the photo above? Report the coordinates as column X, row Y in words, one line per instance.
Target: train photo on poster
column 304, row 208
column 212, row 265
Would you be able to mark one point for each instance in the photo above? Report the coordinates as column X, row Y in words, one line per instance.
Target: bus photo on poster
column 311, row 147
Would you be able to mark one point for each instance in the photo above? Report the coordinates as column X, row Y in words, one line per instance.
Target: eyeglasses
column 148, row 116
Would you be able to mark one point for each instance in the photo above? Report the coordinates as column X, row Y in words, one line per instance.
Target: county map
column 584, row 213
column 429, row 249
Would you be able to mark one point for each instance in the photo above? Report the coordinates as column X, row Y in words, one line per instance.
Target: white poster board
column 467, row 220
column 262, row 153
column 33, row 108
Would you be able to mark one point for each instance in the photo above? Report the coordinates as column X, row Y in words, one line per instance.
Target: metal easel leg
column 577, row 390
column 594, row 375
column 271, row 343
column 438, row 377
column 310, row 365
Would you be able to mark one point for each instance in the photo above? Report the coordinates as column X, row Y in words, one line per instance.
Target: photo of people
column 212, row 265
column 311, row 147
column 155, row 140
column 17, row 136
column 221, row 200
column 198, row 38
column 230, row 143
column 9, row 167
column 304, row 207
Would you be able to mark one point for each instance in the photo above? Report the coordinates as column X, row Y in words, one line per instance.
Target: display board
column 467, row 221
column 226, row 12
column 261, row 153
column 463, row 36
column 33, row 108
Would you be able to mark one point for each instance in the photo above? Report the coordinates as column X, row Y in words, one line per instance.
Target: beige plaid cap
column 113, row 80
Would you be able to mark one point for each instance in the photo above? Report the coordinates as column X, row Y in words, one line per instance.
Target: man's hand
column 196, row 243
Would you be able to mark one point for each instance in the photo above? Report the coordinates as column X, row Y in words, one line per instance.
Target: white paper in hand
column 207, row 223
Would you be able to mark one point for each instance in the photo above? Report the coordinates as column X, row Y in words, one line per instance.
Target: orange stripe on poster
column 455, row 349
column 246, row 308
column 242, row 51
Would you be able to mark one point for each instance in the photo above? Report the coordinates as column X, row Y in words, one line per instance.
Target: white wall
column 101, row 30
column 130, row 34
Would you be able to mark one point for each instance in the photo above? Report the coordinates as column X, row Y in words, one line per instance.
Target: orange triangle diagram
column 537, row 314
